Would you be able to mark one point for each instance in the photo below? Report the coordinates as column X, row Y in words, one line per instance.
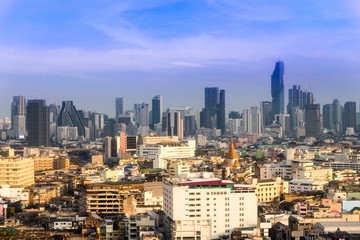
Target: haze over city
column 93, row 51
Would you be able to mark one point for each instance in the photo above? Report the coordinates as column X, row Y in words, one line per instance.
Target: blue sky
column 93, row 51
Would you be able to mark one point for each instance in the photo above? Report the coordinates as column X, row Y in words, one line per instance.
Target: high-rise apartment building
column 157, row 109
column 336, row 116
column 119, row 107
column 277, row 88
column 349, row 115
column 312, row 120
column 207, row 208
column 38, row 123
column 68, row 116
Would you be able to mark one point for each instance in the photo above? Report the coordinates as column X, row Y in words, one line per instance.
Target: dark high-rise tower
column 38, row 123
column 350, row 115
column 220, row 115
column 157, row 110
column 68, row 116
column 212, row 99
column 328, row 119
column 312, row 120
column 267, row 113
column 277, row 88
column 119, row 107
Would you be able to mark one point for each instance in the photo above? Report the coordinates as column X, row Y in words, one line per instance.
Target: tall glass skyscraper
column 277, row 88
column 212, row 99
column 156, row 109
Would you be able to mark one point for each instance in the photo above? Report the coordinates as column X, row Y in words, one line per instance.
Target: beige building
column 111, row 197
column 268, row 190
column 177, row 168
column 43, row 163
column 16, row 171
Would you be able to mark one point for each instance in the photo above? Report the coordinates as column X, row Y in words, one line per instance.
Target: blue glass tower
column 277, row 88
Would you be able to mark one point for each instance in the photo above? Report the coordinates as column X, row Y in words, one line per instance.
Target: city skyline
column 47, row 47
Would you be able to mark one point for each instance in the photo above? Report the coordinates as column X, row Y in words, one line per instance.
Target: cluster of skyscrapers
column 303, row 117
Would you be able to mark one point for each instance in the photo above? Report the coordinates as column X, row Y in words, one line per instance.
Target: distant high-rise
column 38, row 123
column 220, row 115
column 212, row 99
column 328, row 119
column 277, row 88
column 54, row 110
column 266, row 113
column 299, row 98
column 350, row 115
column 68, row 116
column 18, row 108
column 157, row 110
column 252, row 120
column 336, row 116
column 174, row 124
column 312, row 120
column 119, row 107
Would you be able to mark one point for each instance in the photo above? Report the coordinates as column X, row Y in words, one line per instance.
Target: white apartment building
column 269, row 171
column 160, row 153
column 177, row 168
column 207, row 208
column 300, row 185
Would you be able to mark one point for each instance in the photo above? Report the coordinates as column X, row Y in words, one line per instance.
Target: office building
column 38, row 123
column 252, row 122
column 312, row 120
column 69, row 117
column 266, row 113
column 204, row 207
column 18, row 108
column 54, row 110
column 337, row 116
column 299, row 98
column 349, row 116
column 174, row 124
column 119, row 107
column 328, row 117
column 220, row 115
column 277, row 88
column 157, row 110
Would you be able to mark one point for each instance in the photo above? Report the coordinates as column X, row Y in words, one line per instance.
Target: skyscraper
column 266, row 113
column 18, row 116
column 212, row 99
column 336, row 116
column 252, row 120
column 157, row 110
column 174, row 124
column 350, row 115
column 68, row 116
column 299, row 98
column 328, row 122
column 220, row 115
column 38, row 123
column 119, row 107
column 312, row 120
column 277, row 88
